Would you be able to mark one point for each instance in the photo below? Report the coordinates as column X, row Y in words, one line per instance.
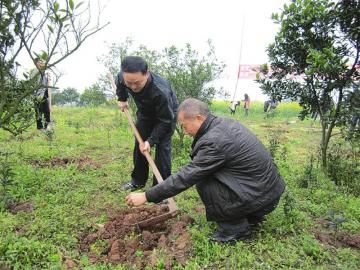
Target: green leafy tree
column 313, row 60
column 71, row 96
column 92, row 96
column 67, row 96
column 56, row 97
column 191, row 74
column 32, row 28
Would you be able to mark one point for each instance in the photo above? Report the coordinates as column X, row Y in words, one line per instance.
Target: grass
column 68, row 199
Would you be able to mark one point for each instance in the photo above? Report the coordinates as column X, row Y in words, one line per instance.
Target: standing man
column 43, row 96
column 233, row 172
column 246, row 104
column 156, row 117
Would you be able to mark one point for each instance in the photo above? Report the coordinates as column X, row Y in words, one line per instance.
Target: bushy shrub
column 28, row 253
column 344, row 166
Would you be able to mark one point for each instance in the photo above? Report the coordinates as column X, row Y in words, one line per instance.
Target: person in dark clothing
column 42, row 97
column 156, row 117
column 246, row 104
column 270, row 105
column 233, row 172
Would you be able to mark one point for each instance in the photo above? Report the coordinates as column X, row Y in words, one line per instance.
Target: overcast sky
column 161, row 23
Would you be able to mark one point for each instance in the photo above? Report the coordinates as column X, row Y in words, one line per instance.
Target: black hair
column 133, row 64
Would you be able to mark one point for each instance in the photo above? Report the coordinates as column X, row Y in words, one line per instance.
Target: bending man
column 156, row 117
column 233, row 172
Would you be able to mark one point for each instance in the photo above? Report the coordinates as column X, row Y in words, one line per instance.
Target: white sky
column 161, row 23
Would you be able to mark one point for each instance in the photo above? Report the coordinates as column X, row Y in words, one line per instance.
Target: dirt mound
column 330, row 237
column 20, row 207
column 341, row 239
column 82, row 163
column 118, row 241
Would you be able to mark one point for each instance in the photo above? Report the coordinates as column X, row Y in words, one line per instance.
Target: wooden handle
column 171, row 202
column 141, row 142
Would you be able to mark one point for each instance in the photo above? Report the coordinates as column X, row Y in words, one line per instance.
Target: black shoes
column 255, row 222
column 223, row 237
column 131, row 186
column 230, row 232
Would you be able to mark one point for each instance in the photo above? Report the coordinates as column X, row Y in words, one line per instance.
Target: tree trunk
column 323, row 145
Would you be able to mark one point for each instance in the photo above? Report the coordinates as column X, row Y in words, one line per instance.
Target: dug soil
column 119, row 241
column 82, row 163
column 337, row 239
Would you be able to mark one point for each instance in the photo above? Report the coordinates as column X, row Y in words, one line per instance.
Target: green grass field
column 312, row 228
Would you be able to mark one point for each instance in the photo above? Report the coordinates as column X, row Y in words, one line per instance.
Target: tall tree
column 191, row 74
column 33, row 28
column 313, row 60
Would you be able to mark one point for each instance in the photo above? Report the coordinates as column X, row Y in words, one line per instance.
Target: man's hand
column 145, row 147
column 135, row 199
column 122, row 105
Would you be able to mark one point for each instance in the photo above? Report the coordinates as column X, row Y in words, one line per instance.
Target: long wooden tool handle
column 171, row 202
column 146, row 153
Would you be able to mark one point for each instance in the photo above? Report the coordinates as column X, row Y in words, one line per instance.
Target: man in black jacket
column 156, row 117
column 233, row 172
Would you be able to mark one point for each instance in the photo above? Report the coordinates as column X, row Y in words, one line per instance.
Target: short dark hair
column 192, row 107
column 133, row 64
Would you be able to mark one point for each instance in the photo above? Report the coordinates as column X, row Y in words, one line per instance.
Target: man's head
column 39, row 63
column 191, row 114
column 135, row 72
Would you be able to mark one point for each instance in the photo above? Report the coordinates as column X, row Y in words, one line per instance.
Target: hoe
column 173, row 210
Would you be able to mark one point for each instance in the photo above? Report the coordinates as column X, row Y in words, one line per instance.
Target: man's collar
column 203, row 128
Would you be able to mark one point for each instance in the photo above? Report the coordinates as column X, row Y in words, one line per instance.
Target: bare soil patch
column 82, row 163
column 337, row 239
column 119, row 241
column 20, row 207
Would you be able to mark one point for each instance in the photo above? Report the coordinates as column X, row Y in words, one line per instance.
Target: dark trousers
column 140, row 173
column 243, row 223
column 42, row 109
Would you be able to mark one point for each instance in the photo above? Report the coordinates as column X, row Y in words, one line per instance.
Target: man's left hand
column 145, row 147
column 135, row 199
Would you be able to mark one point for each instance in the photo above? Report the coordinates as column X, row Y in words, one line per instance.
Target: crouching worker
column 233, row 173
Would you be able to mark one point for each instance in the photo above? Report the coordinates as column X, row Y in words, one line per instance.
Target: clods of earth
column 120, row 241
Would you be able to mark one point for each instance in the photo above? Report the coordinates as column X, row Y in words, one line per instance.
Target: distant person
column 156, row 117
column 43, row 96
column 246, row 104
column 233, row 105
column 270, row 105
column 234, row 174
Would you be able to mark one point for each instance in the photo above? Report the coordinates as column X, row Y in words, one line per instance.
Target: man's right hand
column 122, row 105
